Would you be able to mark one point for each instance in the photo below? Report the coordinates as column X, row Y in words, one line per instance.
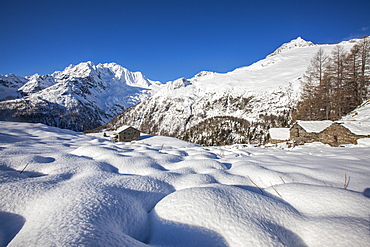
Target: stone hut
column 125, row 134
column 345, row 132
column 329, row 132
column 278, row 135
column 308, row 131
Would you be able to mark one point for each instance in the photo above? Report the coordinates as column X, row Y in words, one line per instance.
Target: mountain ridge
column 80, row 97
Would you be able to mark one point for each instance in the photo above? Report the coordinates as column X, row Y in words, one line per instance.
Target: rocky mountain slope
column 263, row 94
column 80, row 97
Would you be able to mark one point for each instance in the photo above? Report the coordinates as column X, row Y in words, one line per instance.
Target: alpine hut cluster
column 327, row 132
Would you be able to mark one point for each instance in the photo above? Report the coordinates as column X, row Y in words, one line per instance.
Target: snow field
column 62, row 188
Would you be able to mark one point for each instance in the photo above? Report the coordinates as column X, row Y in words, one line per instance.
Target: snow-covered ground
column 63, row 188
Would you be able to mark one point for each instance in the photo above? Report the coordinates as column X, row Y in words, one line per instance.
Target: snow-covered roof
column 357, row 127
column 279, row 133
column 314, row 126
column 122, row 128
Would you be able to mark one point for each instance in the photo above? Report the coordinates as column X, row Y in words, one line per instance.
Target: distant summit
column 298, row 42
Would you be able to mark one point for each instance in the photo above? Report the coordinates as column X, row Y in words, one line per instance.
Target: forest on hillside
column 335, row 84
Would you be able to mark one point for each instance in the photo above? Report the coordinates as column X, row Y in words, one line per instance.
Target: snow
column 87, row 91
column 358, row 121
column 295, row 43
column 358, row 128
column 122, row 128
column 314, row 126
column 363, row 142
column 9, row 85
column 64, row 188
column 361, row 114
column 279, row 133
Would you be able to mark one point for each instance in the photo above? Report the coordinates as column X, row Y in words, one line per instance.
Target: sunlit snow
column 63, row 188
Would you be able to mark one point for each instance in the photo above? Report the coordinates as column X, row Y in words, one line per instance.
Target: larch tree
column 311, row 97
column 335, row 78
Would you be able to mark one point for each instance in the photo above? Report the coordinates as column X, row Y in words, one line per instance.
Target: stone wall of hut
column 275, row 141
column 300, row 136
column 128, row 135
column 336, row 135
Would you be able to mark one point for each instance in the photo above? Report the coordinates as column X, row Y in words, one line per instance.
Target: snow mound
column 222, row 209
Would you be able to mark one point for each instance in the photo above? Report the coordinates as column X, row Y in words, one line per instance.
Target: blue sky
column 166, row 39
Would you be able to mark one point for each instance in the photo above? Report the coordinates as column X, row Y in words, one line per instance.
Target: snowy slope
column 63, row 188
column 80, row 97
column 358, row 121
column 360, row 114
column 9, row 85
column 270, row 86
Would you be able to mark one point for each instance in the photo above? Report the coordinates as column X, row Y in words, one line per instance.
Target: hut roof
column 314, row 126
column 122, row 128
column 357, row 127
column 279, row 133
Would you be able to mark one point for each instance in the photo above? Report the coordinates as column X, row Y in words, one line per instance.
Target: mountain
column 80, row 97
column 9, row 85
column 242, row 104
column 295, row 43
column 263, row 94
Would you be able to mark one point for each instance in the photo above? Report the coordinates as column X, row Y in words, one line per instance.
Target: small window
column 297, row 130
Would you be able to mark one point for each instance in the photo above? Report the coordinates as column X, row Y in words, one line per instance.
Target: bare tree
column 335, row 75
column 334, row 86
column 359, row 70
column 311, row 100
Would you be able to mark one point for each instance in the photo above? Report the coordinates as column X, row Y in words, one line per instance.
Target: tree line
column 335, row 84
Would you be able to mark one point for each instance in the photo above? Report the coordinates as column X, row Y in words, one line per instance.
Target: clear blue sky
column 166, row 39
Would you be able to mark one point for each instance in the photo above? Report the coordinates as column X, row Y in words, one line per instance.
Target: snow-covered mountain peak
column 36, row 83
column 176, row 84
column 135, row 79
column 9, row 85
column 91, row 94
column 83, row 69
column 203, row 74
column 295, row 43
column 116, row 68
